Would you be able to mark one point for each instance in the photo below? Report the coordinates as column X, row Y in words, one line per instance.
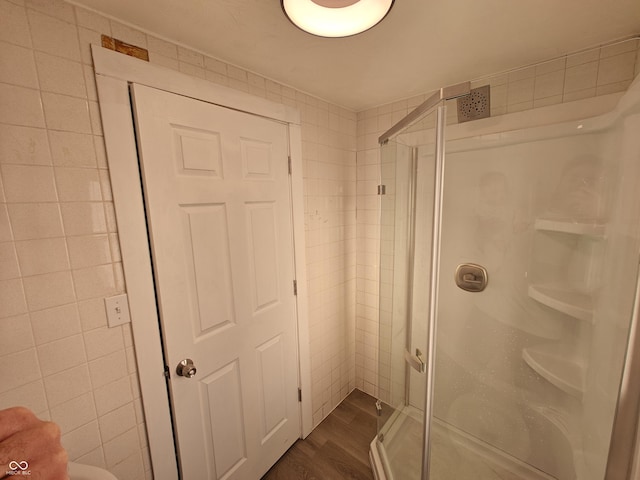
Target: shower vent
column 475, row 105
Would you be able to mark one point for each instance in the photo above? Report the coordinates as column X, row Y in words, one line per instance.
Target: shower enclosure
column 508, row 284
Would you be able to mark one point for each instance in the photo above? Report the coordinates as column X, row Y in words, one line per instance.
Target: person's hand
column 29, row 446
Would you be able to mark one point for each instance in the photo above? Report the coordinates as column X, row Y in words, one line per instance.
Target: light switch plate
column 117, row 310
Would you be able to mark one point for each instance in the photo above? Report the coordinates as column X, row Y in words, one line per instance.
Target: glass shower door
column 406, row 205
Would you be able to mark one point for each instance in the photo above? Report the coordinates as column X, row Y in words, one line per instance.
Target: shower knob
column 186, row 368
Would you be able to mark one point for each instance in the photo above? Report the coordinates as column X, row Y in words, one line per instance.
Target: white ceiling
column 420, row 46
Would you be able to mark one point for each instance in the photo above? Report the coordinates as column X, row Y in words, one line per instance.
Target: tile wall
column 59, row 251
column 597, row 71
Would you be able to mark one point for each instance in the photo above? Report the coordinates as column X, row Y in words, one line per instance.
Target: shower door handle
column 416, row 361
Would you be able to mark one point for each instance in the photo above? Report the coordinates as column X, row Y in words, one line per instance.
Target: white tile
column 161, row 60
column 14, row 26
column 162, row 47
column 49, row 290
column 544, row 102
column 131, row 467
column 61, row 355
column 96, row 120
column 95, row 458
column 581, row 77
column 579, row 95
column 72, row 149
column 132, row 365
column 29, row 184
column 88, row 251
column 47, row 255
column 82, row 440
column 15, row 334
column 90, row 82
column 17, row 66
column 55, row 323
column 121, row 447
column 12, row 299
column 110, row 216
column 108, row 369
column 128, row 34
column 20, row 106
column 74, row 413
column 66, row 113
column 101, row 153
column 115, row 247
column 257, row 81
column 127, row 335
column 92, row 314
column 24, row 145
column 192, row 70
column 94, row 282
column 139, row 410
column 112, row 395
column 83, row 218
column 35, row 220
column 520, row 91
column 54, row 8
column 6, row 234
column 217, row 66
column 616, row 69
column 619, row 48
column 93, row 21
column 583, row 57
column 499, row 95
column 54, row 36
column 549, row 84
column 239, row 74
column 551, row 66
column 8, row 261
column 78, row 184
column 66, row 385
column 31, row 396
column 191, row 57
column 521, row 74
column 105, row 186
column 118, row 274
column 87, row 38
column 613, row 88
column 59, row 75
column 29, row 369
column 117, row 422
column 103, row 341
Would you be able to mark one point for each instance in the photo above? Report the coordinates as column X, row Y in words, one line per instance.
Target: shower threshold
column 455, row 455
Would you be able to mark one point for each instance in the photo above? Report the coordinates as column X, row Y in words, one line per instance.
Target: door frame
column 114, row 72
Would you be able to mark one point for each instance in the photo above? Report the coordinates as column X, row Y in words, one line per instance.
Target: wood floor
column 337, row 449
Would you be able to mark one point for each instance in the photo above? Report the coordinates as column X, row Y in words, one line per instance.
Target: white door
column 216, row 187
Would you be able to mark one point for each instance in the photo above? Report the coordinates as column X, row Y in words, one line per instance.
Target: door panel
column 216, row 187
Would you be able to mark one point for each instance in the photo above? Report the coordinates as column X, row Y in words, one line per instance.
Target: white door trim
column 114, row 72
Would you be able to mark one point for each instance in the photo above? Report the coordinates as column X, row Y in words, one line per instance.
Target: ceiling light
column 336, row 18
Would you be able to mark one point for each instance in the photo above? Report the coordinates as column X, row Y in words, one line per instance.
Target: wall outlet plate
column 117, row 310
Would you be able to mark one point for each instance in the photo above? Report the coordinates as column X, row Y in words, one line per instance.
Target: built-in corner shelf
column 574, row 304
column 553, row 363
column 589, row 228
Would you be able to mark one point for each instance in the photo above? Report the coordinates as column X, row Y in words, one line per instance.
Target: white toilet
column 78, row 471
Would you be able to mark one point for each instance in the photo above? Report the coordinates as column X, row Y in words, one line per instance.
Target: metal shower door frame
column 439, row 97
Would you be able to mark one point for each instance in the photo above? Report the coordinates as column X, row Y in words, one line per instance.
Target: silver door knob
column 186, row 368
